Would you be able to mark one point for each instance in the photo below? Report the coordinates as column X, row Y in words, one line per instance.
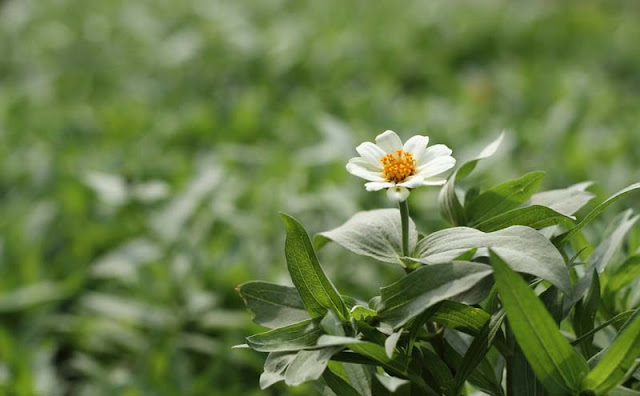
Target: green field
column 147, row 146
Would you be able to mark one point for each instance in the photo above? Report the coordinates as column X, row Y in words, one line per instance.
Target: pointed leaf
column 316, row 290
column 556, row 364
column 503, row 197
column 566, row 201
column 290, row 338
column 620, row 357
column 531, row 216
column 308, row 365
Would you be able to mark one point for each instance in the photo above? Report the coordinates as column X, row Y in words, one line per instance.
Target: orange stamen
column 398, row 166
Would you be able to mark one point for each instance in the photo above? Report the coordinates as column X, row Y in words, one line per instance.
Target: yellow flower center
column 398, row 166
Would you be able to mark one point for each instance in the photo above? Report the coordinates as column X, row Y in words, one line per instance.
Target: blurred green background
column 147, row 146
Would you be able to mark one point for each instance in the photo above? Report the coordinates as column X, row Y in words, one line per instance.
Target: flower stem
column 404, row 216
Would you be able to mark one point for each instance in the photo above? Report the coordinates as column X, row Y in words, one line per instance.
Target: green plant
column 511, row 295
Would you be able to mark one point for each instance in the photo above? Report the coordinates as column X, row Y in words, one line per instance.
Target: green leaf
column 620, row 357
column 398, row 365
column 561, row 239
column 628, row 272
column 531, row 216
column 558, row 367
column 290, row 338
column 316, row 290
column 308, row 365
column 478, row 349
column 375, row 233
column 621, row 317
column 332, row 325
column 428, row 285
column 503, row 197
column 338, row 385
column 273, row 305
column 566, row 201
column 584, row 315
column 460, row 317
column 525, row 249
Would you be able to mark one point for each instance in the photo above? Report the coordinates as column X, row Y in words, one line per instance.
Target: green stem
column 404, row 216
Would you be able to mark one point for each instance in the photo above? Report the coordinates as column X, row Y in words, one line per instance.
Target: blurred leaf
column 561, row 239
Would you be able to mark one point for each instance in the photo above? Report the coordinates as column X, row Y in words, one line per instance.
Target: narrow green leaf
column 531, row 216
column 413, row 294
column 460, row 317
column 398, row 365
column 619, row 318
column 503, row 197
column 375, row 233
column 486, row 152
column 316, row 290
column 273, row 305
column 478, row 349
column 584, row 315
column 618, row 360
column 290, row 338
column 338, row 385
column 556, row 364
column 561, row 239
column 525, row 249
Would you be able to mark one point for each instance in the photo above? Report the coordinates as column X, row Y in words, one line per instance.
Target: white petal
column 398, row 194
column 433, row 152
column 365, row 164
column 389, row 141
column 434, row 181
column 416, row 146
column 412, row 182
column 376, row 186
column 371, row 153
column 360, row 171
column 436, row 166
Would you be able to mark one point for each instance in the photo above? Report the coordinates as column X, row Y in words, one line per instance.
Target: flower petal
column 376, row 186
column 433, row 152
column 434, row 181
column 365, row 164
column 371, row 153
column 358, row 170
column 398, row 194
column 389, row 141
column 412, row 182
column 436, row 166
column 416, row 146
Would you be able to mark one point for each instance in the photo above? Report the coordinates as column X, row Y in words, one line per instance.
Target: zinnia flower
column 398, row 168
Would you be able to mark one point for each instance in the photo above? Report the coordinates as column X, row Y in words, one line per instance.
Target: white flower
column 398, row 168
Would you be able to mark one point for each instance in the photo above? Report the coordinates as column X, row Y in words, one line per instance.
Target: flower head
column 398, row 168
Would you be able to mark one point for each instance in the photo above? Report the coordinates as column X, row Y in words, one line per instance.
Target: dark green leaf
column 558, row 367
column 308, row 365
column 338, row 385
column 503, row 197
column 316, row 290
column 531, row 216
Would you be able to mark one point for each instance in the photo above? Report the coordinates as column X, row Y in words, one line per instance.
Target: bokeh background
column 146, row 148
